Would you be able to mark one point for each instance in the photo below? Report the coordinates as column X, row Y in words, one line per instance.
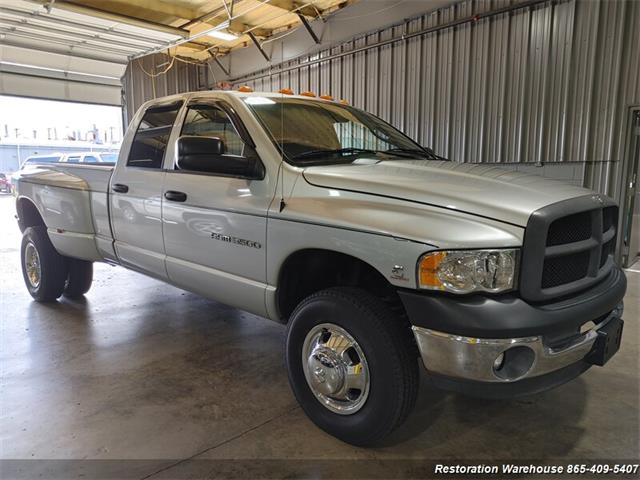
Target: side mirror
column 206, row 154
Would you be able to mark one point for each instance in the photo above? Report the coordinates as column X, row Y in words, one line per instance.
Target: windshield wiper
column 414, row 151
column 329, row 152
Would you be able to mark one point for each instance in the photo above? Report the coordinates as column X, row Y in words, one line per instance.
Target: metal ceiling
column 78, row 32
column 50, row 51
column 66, row 49
column 119, row 30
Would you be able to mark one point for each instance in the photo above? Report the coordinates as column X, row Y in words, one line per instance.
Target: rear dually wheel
column 44, row 270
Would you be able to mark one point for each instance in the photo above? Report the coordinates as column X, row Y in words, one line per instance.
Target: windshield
column 319, row 133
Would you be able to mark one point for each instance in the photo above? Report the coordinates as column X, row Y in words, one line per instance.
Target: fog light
column 515, row 363
column 498, row 362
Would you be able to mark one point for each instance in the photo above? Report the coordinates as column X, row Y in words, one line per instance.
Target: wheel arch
column 28, row 214
column 310, row 270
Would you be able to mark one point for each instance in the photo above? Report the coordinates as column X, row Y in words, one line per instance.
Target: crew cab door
column 136, row 192
column 214, row 223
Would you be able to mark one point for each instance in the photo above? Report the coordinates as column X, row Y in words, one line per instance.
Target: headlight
column 465, row 271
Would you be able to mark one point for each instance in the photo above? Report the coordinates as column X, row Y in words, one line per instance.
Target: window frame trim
column 237, row 123
column 179, row 105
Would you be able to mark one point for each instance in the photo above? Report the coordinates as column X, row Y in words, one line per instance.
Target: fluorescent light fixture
column 258, row 101
column 223, row 35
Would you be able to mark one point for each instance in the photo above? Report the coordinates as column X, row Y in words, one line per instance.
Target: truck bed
column 73, row 201
column 96, row 177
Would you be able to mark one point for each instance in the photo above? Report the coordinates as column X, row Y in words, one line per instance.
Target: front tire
column 44, row 270
column 351, row 364
column 79, row 278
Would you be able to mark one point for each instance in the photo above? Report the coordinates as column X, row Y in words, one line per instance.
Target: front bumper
column 476, row 348
column 475, row 358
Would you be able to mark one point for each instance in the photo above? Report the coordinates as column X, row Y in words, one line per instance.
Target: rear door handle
column 175, row 196
column 120, row 188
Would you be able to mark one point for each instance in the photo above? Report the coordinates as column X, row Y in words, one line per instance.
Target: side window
column 150, row 140
column 90, row 159
column 210, row 121
column 73, row 159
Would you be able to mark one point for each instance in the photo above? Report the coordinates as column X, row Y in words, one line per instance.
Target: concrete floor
column 142, row 380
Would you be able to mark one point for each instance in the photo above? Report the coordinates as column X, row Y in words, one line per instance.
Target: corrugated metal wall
column 546, row 84
column 143, row 80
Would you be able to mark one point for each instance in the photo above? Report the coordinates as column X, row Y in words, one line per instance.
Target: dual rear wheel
column 49, row 275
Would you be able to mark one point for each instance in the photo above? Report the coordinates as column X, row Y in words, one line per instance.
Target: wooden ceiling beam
column 295, row 6
column 117, row 17
column 207, row 16
column 141, row 9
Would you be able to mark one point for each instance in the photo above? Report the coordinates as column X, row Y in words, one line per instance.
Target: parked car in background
column 90, row 157
column 5, row 185
column 72, row 157
column 35, row 160
column 42, row 159
column 105, row 158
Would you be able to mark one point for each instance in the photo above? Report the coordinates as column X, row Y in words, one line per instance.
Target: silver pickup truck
column 374, row 251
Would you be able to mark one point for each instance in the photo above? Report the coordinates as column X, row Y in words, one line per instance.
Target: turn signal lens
column 286, row 91
column 245, row 89
column 308, row 94
column 428, row 270
column 466, row 271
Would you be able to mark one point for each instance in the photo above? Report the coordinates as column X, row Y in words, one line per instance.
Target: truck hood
column 477, row 189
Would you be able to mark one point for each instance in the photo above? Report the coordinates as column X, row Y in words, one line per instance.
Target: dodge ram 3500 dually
column 374, row 251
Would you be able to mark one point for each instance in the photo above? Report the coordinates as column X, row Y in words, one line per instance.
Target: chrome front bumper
column 478, row 359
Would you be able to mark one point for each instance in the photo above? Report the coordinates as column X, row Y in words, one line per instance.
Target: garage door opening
column 34, row 130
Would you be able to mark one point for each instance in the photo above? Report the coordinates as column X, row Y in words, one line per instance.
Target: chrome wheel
column 32, row 264
column 335, row 368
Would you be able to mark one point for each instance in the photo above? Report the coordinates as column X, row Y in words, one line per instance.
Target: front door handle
column 120, row 188
column 175, row 196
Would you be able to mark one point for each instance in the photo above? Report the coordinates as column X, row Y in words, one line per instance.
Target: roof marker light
column 307, row 93
column 286, row 91
column 326, row 97
column 344, row 102
column 245, row 89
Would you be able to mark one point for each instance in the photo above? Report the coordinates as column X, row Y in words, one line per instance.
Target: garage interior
column 143, row 380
